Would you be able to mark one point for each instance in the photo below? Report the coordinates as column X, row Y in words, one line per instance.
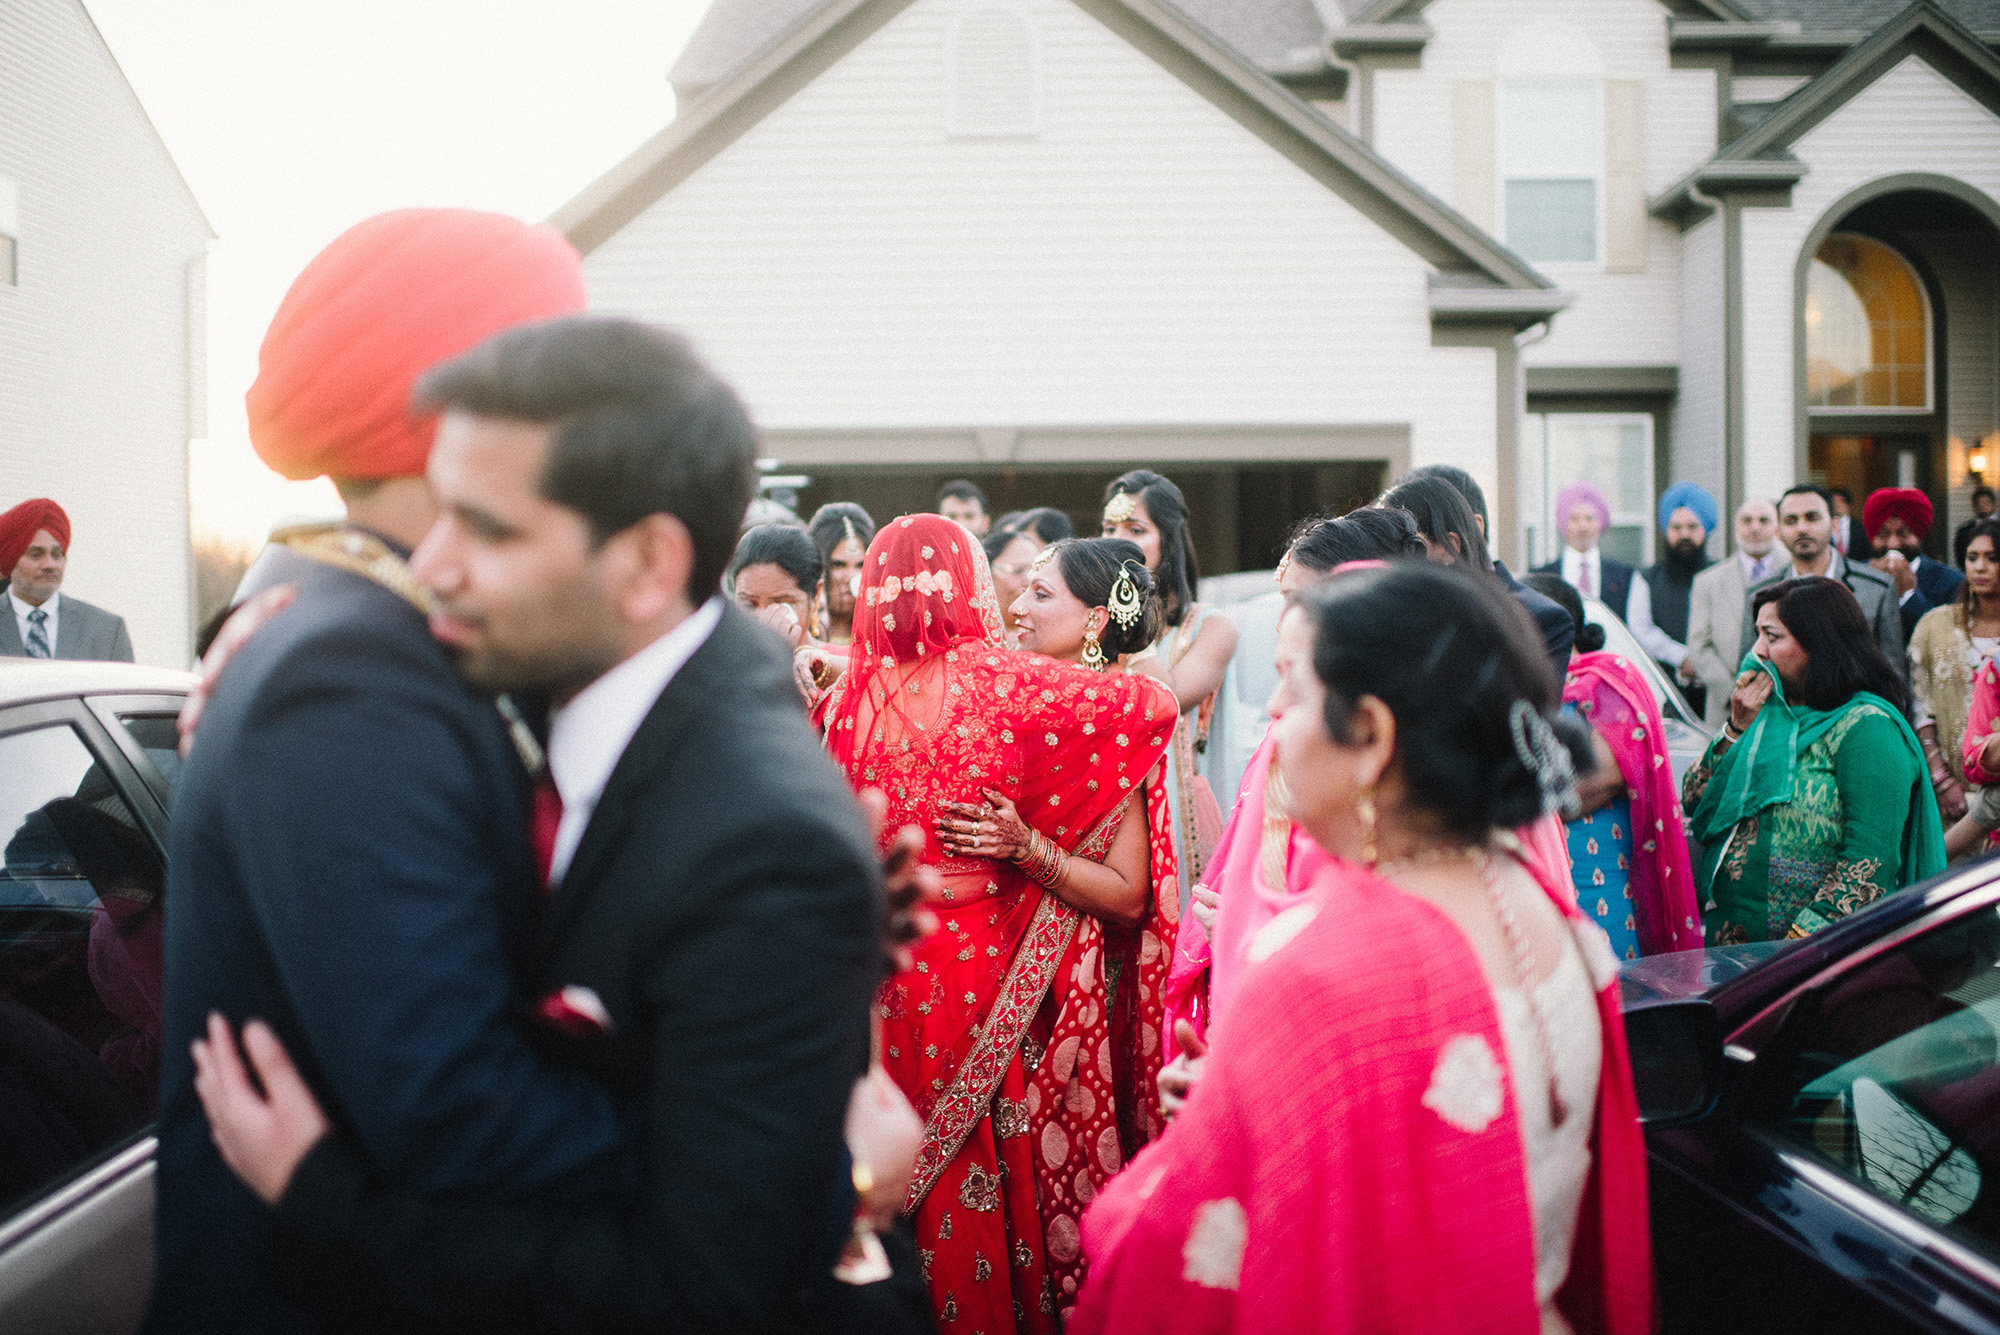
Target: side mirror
column 1676, row 1050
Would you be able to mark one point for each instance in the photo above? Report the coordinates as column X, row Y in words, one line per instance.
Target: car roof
column 23, row 679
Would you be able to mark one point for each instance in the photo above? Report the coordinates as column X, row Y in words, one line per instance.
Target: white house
column 1283, row 251
column 102, row 379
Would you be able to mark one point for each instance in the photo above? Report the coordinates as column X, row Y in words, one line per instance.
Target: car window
column 80, row 962
column 1891, row 1075
column 159, row 738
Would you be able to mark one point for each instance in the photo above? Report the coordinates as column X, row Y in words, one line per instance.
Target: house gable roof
column 1761, row 158
column 1479, row 280
column 167, row 154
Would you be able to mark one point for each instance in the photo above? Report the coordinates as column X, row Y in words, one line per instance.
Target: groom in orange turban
column 349, row 847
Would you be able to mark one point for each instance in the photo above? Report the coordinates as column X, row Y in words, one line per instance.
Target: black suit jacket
column 725, row 907
column 1937, row 585
column 349, row 861
column 1557, row 626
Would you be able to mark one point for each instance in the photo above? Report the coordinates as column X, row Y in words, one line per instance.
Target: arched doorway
column 1899, row 292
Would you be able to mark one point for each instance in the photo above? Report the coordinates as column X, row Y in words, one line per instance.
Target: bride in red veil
column 1001, row 1033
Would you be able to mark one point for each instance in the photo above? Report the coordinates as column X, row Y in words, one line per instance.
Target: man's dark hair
column 960, row 489
column 783, row 546
column 1809, row 489
column 1048, row 524
column 1442, row 516
column 1831, row 492
column 1461, row 481
column 1987, row 492
column 1176, row 574
column 1842, row 656
column 639, row 426
column 1371, row 533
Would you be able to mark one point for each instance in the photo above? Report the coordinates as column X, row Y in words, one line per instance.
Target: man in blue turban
column 1659, row 615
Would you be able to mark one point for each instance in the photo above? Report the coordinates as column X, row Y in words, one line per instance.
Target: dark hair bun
column 1451, row 655
column 1091, row 568
column 1589, row 638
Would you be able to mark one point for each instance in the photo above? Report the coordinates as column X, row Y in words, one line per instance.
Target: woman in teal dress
column 1814, row 800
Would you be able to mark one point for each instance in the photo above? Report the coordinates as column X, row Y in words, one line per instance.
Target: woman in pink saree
column 1001, row 1033
column 1418, row 1113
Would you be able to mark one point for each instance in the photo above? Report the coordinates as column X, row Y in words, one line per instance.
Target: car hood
column 1689, row 973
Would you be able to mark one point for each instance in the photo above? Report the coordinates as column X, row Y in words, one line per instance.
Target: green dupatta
column 1759, row 770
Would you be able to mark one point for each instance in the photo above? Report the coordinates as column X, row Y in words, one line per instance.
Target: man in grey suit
column 1805, row 527
column 1715, row 606
column 42, row 623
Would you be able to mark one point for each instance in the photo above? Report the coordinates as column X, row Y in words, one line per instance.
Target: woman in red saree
column 1418, row 1113
column 1002, row 1031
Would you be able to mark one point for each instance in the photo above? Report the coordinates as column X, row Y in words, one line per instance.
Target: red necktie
column 544, row 821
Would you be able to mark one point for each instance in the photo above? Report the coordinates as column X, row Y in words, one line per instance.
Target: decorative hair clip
column 1126, row 605
column 1544, row 756
column 1120, row 507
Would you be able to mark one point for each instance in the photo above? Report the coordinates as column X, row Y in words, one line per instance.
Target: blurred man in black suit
column 710, row 939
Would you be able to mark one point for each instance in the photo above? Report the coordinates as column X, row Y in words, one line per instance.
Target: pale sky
column 294, row 119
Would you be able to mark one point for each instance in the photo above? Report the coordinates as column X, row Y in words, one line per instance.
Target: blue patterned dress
column 1600, row 857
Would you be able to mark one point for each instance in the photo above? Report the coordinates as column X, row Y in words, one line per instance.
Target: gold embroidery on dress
column 982, row 1269
column 944, row 1225
column 1737, row 860
column 981, row 1189
column 1022, row 1255
column 1850, row 885
column 1010, row 1118
column 1277, row 841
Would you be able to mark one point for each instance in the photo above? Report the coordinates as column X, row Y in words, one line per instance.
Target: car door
column 1852, row 1178
column 84, row 790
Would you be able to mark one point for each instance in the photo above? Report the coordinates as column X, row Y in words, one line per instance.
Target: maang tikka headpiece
column 1126, row 606
column 1120, row 507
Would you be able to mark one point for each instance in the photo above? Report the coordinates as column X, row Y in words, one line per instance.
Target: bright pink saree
column 1026, row 1035
column 1309, row 1186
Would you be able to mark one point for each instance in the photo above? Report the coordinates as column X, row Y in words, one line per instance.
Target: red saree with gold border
column 1027, row 1034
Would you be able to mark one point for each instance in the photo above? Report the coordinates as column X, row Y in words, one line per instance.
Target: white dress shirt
column 1639, row 620
column 21, row 610
column 1575, row 563
column 588, row 735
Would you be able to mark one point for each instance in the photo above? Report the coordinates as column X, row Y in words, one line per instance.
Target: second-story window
column 1552, row 168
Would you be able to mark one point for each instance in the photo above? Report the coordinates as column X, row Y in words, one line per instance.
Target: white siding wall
column 1623, row 318
column 1764, row 87
column 1912, row 119
column 1699, row 414
column 1145, row 260
column 94, row 350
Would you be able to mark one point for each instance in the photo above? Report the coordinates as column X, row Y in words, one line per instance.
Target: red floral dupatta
column 1006, row 1034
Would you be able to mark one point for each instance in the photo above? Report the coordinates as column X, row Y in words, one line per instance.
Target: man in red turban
column 34, row 549
column 1897, row 520
column 348, row 843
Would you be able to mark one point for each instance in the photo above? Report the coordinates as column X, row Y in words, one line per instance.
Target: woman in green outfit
column 1814, row 800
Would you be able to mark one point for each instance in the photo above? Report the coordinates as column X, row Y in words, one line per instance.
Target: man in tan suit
column 1715, row 606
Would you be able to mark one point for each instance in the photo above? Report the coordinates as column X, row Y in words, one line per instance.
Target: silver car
column 87, row 770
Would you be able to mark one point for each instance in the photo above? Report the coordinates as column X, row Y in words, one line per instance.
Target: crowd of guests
column 602, row 1014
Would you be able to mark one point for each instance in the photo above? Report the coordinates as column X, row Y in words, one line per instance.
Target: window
column 1889, row 1073
column 1867, row 329
column 1614, row 450
column 992, row 76
column 1552, row 164
column 80, row 962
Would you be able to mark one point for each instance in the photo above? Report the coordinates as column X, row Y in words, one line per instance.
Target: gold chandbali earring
column 1093, row 652
column 1126, row 606
column 1364, row 811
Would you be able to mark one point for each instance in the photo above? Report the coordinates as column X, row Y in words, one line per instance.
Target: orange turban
column 19, row 526
column 1904, row 503
column 389, row 299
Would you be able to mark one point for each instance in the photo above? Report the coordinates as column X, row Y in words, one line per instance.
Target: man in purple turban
column 1582, row 516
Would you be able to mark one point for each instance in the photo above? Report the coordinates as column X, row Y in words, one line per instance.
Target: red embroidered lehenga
column 1027, row 1034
